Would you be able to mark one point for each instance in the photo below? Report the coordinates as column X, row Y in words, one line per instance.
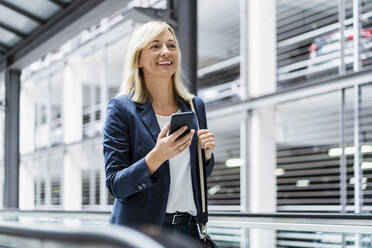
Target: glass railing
column 227, row 229
column 290, row 230
column 57, row 229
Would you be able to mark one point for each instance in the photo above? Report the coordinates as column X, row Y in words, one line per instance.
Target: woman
column 152, row 175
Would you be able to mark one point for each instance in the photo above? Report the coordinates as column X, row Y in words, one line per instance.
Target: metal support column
column 358, row 174
column 244, row 172
column 343, row 167
column 341, row 21
column 356, row 32
column 244, row 155
column 244, row 50
column 11, row 176
column 185, row 14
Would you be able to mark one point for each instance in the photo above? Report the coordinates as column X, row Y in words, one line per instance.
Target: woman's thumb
column 164, row 131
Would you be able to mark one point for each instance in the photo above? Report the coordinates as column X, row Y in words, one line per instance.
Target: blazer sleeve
column 123, row 179
column 203, row 125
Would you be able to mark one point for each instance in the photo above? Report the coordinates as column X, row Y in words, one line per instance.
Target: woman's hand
column 167, row 147
column 206, row 142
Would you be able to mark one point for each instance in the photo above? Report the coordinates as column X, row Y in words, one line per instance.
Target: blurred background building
column 287, row 85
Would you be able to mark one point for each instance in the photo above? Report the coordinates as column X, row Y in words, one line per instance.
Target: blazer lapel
column 148, row 118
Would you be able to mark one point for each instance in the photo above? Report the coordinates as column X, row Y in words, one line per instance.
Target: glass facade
column 304, row 146
column 365, row 129
column 218, row 51
column 88, row 76
column 303, row 151
column 62, row 160
column 309, row 44
column 317, row 143
column 224, row 183
column 92, row 84
column 305, row 134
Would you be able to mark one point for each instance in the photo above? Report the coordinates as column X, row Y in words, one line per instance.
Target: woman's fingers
column 206, row 145
column 206, row 139
column 183, row 141
column 204, row 133
column 177, row 133
column 204, row 142
column 186, row 138
column 164, row 131
column 184, row 146
column 171, row 146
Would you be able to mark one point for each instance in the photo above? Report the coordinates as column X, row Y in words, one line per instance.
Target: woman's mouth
column 165, row 63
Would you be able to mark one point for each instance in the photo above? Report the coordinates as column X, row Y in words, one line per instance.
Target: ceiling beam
column 13, row 30
column 59, row 3
column 23, row 12
column 76, row 17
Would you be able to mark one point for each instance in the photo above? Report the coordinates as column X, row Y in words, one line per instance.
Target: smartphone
column 179, row 120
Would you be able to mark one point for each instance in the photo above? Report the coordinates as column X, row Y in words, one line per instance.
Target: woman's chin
column 165, row 74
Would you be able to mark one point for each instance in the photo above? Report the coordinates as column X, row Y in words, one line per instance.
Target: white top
column 181, row 196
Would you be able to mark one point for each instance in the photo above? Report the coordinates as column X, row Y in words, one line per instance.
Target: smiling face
column 160, row 57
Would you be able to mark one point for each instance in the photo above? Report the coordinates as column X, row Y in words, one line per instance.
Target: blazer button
column 139, row 187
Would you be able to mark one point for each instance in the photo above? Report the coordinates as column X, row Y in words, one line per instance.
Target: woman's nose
column 164, row 50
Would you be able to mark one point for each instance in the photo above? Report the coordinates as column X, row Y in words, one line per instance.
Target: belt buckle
column 174, row 218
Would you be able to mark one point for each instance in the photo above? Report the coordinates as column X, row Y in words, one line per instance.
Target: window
column 56, row 191
column 40, row 98
column 97, row 188
column 91, row 187
column 35, row 194
column 365, row 120
column 308, row 153
column 91, row 110
column 56, row 104
column 218, row 51
column 42, row 193
column 47, row 178
column 224, row 183
column 116, row 52
column 308, row 40
column 85, row 187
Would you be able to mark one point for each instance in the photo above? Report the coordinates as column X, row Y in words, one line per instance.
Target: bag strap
column 201, row 167
column 203, row 189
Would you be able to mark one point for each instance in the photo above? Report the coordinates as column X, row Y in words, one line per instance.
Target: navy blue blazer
column 130, row 133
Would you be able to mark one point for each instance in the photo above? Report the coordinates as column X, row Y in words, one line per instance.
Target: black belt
column 179, row 218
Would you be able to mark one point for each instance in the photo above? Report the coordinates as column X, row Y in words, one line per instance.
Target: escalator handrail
column 105, row 235
column 350, row 216
column 105, row 214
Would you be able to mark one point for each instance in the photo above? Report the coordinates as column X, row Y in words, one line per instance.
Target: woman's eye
column 154, row 46
column 172, row 46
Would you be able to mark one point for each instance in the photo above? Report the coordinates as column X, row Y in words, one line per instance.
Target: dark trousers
column 190, row 230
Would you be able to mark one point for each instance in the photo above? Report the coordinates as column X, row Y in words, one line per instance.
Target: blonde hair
column 133, row 83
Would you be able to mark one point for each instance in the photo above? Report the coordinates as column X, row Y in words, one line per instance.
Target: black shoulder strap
column 203, row 218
